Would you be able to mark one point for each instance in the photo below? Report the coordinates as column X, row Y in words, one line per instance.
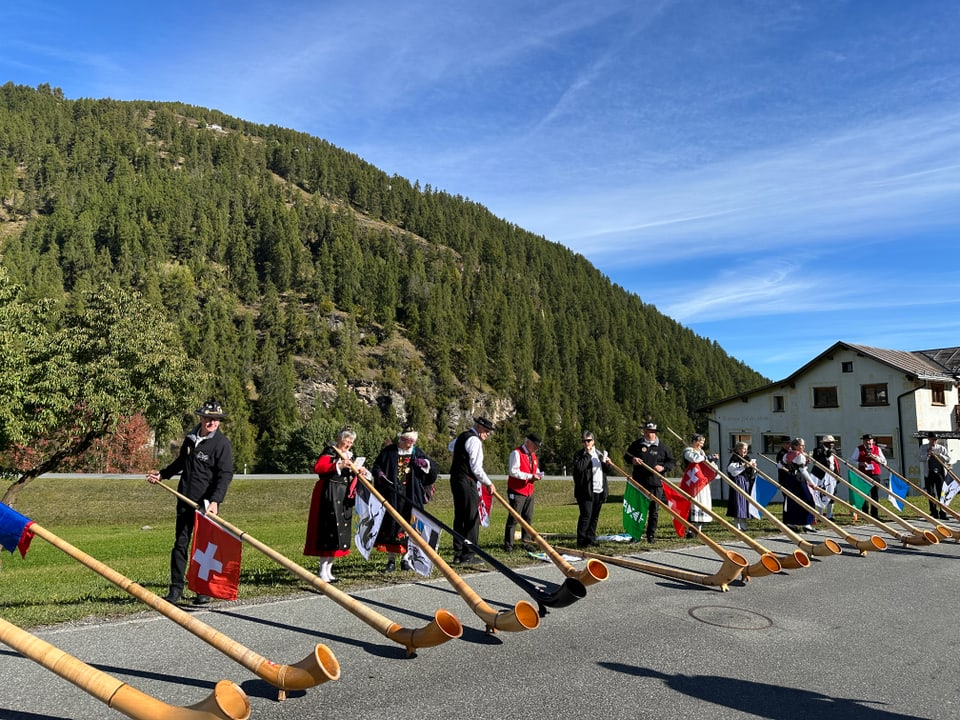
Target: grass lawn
column 128, row 525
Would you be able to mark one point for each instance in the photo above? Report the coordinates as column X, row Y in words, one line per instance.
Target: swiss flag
column 680, row 505
column 695, row 479
column 214, row 560
column 484, row 503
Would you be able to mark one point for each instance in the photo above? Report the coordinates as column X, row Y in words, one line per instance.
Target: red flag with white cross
column 214, row 560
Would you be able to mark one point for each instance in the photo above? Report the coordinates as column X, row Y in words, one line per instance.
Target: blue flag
column 898, row 486
column 13, row 530
column 762, row 491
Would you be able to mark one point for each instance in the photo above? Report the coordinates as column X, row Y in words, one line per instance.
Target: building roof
column 936, row 365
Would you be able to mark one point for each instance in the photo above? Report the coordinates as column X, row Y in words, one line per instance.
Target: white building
column 848, row 391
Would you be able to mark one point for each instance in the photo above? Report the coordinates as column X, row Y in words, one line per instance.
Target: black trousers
column 653, row 512
column 587, row 522
column 933, row 484
column 875, row 495
column 523, row 504
column 466, row 516
column 181, row 546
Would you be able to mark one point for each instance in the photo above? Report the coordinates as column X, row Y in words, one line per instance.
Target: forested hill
column 318, row 291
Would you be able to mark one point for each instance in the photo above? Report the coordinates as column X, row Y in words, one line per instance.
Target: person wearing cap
column 466, row 477
column 648, row 454
column 935, row 459
column 590, row 488
column 825, row 455
column 405, row 476
column 869, row 457
column 524, row 472
column 205, row 466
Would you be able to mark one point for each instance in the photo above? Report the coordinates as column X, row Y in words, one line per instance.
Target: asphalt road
column 848, row 638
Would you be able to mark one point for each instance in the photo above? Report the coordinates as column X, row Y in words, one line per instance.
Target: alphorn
column 733, row 563
column 652, row 569
column 822, row 549
column 444, row 626
column 566, row 594
column 915, row 536
column 523, row 616
column 316, row 668
column 226, row 702
column 941, row 529
column 942, row 505
column 874, row 542
column 768, row 564
column 594, row 572
column 797, row 559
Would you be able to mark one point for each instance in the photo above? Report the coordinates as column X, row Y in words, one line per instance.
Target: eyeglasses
column 588, row 440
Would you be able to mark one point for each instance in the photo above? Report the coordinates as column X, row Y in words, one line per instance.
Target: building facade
column 848, row 391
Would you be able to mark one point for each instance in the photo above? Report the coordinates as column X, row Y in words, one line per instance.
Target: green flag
column 857, row 500
column 635, row 505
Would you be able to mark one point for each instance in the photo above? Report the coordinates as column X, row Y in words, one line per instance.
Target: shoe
column 651, row 541
column 391, row 566
column 173, row 596
column 456, row 560
column 201, row 600
column 690, row 535
column 508, row 548
column 809, row 528
column 473, row 561
column 405, row 565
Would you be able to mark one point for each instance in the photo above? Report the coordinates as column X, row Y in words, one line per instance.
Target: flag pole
column 938, row 502
column 444, row 626
column 316, row 668
column 874, row 542
column 797, row 559
column 226, row 702
column 915, row 536
column 523, row 616
column 734, row 564
column 594, row 572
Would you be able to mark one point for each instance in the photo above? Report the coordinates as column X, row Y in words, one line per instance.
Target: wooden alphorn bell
column 940, row 504
column 444, row 626
column 733, row 563
column 874, row 542
column 226, row 702
column 941, row 529
column 594, row 572
column 821, row 549
column 523, row 616
column 316, row 668
column 914, row 536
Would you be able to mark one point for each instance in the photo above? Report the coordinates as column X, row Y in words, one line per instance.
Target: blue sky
column 775, row 175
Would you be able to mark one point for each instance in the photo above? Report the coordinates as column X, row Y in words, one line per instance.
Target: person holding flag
column 698, row 473
column 467, row 476
column 824, row 455
column 205, row 466
column 869, row 458
column 590, row 488
column 935, row 459
column 647, row 454
column 405, row 476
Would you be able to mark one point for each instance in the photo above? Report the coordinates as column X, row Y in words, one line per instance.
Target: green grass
column 128, row 525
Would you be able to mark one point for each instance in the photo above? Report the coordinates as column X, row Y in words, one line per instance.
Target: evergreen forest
column 310, row 290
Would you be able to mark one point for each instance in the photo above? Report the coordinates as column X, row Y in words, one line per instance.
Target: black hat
column 931, row 435
column 211, row 409
column 868, row 436
column 483, row 422
column 534, row 438
column 650, row 426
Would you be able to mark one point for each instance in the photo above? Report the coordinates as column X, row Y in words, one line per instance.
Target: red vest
column 866, row 465
column 528, row 464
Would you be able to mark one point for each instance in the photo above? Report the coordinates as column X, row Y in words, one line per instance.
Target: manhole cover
column 730, row 617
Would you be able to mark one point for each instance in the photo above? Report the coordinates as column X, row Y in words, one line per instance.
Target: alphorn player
column 742, row 469
column 935, row 459
column 466, row 476
column 869, row 457
column 646, row 452
column 825, row 455
column 797, row 480
column 205, row 467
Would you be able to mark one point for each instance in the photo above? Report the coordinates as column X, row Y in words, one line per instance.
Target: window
column 875, row 394
column 847, row 366
column 886, row 444
column 938, row 394
column 825, row 397
column 778, row 403
column 773, row 443
column 739, row 437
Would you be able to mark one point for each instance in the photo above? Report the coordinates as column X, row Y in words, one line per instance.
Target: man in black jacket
column 644, row 453
column 590, row 488
column 205, row 466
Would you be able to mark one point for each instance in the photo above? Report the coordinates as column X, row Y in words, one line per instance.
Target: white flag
column 369, row 511
column 950, row 492
column 430, row 532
